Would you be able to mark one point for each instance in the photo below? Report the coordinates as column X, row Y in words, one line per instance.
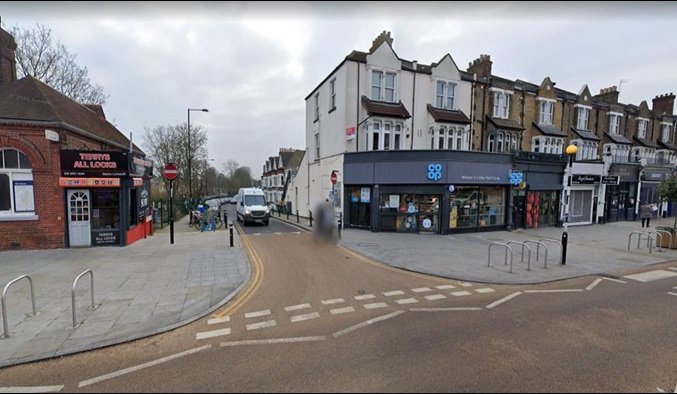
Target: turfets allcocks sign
column 94, row 164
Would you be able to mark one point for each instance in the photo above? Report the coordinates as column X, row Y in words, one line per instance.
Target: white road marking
column 421, row 290
column 212, row 334
column 393, row 293
column 406, row 301
column 219, row 320
column 265, row 324
column 671, row 293
column 307, row 316
column 33, row 389
column 554, row 291
column 257, row 314
column 446, row 287
column 485, row 290
column 367, row 323
column 273, row 341
column 435, row 297
column 593, row 284
column 142, row 366
column 256, row 234
column 278, row 233
column 672, row 268
column 460, row 293
column 444, row 309
column 502, row 300
column 650, row 276
column 296, row 307
column 466, row 284
column 334, row 301
column 365, row 297
column 376, row 305
column 614, row 280
column 340, row 311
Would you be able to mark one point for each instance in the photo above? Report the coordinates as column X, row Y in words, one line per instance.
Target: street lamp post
column 571, row 152
column 190, row 157
column 206, row 175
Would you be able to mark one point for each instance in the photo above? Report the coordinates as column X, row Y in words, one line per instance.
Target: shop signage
column 365, row 194
column 656, row 175
column 434, row 172
column 350, row 133
column 611, row 180
column 585, row 179
column 93, row 164
column 105, row 237
column 516, row 177
column 89, row 182
column 140, row 167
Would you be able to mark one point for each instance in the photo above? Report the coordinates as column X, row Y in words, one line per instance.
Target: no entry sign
column 171, row 172
column 334, row 178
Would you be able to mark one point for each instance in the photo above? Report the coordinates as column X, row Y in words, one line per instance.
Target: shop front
column 586, row 179
column 651, row 178
column 621, row 198
column 107, row 198
column 427, row 192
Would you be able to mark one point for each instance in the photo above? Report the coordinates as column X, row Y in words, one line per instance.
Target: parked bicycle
column 209, row 220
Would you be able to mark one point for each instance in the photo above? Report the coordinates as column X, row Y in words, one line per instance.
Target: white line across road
column 376, row 305
column 446, row 287
column 555, row 291
column 421, row 290
column 672, row 268
column 651, row 276
column 273, row 341
column 435, row 297
column 485, row 290
column 445, row 309
column 212, row 334
column 460, row 293
column 32, row 389
column 614, row 280
column 367, row 323
column 393, row 293
column 406, row 301
column 365, row 297
column 257, row 314
column 264, row 324
column 219, row 320
column 142, row 366
column 593, row 284
column 671, row 293
column 333, row 301
column 503, row 300
column 296, row 307
column 307, row 316
column 340, row 311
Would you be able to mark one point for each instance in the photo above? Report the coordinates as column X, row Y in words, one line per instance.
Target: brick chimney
column 608, row 95
column 383, row 37
column 7, row 57
column 481, row 66
column 664, row 104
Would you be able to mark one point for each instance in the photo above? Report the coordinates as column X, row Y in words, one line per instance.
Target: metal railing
column 507, row 248
column 649, row 238
column 554, row 241
column 538, row 250
column 5, row 323
column 75, row 283
column 524, row 245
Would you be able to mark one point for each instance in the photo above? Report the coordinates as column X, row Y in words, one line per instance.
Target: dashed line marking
column 142, row 366
column 651, row 276
column 307, row 316
column 376, row 305
column 502, row 300
column 212, row 334
column 555, row 291
column 435, row 297
column 460, row 293
column 466, row 284
column 265, row 324
column 32, row 389
column 671, row 293
column 446, row 287
column 365, row 297
column 340, row 311
column 485, row 290
column 421, row 290
column 445, row 309
column 393, row 293
column 273, row 341
column 593, row 284
column 615, row 280
column 296, row 307
column 257, row 314
column 367, row 323
column 672, row 268
column 219, row 320
column 334, row 301
column 407, row 301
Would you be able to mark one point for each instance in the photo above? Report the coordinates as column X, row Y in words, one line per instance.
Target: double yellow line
column 255, row 281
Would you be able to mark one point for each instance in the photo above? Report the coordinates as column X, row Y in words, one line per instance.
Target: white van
column 251, row 206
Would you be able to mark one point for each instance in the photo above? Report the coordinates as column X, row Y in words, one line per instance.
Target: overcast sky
column 252, row 64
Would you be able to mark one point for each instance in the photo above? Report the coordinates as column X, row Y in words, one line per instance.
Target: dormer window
column 444, row 97
column 666, row 132
column 546, row 110
column 501, row 105
column 614, row 123
column 642, row 125
column 383, row 86
column 583, row 113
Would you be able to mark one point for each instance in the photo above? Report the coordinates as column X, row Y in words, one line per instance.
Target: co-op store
column 107, row 197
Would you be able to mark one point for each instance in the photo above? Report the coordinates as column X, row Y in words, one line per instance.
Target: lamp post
column 190, row 157
column 571, row 152
column 206, row 175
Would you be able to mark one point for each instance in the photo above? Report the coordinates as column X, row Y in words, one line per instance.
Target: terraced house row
column 433, row 148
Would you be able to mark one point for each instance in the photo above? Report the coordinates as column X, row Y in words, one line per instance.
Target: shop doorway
column 360, row 207
column 79, row 225
column 518, row 207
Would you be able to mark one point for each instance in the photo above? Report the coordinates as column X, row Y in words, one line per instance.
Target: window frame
column 18, row 174
column 332, row 95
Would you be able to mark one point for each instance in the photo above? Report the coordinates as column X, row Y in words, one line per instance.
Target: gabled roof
column 379, row 108
column 447, row 116
column 549, row 130
column 296, row 160
column 29, row 99
column 619, row 139
column 585, row 134
column 505, row 123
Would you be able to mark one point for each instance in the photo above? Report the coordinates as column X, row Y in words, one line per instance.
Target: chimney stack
column 664, row 104
column 481, row 66
column 383, row 37
column 608, row 95
column 7, row 57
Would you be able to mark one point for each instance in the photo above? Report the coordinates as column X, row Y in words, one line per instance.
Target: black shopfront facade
column 427, row 191
column 621, row 199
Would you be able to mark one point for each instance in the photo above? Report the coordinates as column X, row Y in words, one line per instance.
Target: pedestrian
column 645, row 214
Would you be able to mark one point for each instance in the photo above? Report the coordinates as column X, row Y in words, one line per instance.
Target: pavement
column 152, row 287
column 140, row 290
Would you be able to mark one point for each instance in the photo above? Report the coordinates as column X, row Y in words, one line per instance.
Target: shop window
column 360, row 207
column 473, row 207
column 16, row 183
column 410, row 212
column 133, row 208
column 541, row 209
column 105, row 209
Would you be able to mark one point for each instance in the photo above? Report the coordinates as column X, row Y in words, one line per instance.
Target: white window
column 547, row 108
column 501, row 105
column 390, row 88
column 376, row 77
column 582, row 119
column 317, row 146
column 490, row 143
column 317, row 106
column 666, row 132
column 536, row 145
column 499, row 142
column 332, row 94
column 614, row 124
column 397, row 137
column 384, row 136
column 441, row 137
column 444, row 96
column 642, row 126
column 459, row 140
column 383, row 86
column 387, row 128
column 16, row 183
column 375, row 135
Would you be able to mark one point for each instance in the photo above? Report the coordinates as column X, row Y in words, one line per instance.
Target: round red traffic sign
column 334, row 178
column 171, row 172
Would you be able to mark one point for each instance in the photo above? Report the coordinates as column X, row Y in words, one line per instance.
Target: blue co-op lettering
column 434, row 171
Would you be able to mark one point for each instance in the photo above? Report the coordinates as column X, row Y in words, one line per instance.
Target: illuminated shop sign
column 94, row 164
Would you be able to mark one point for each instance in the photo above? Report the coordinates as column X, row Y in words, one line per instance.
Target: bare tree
column 39, row 56
column 230, row 166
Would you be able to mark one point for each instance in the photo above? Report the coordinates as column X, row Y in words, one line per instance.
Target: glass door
column 79, row 225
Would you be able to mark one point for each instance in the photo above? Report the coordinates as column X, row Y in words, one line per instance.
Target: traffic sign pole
column 171, row 173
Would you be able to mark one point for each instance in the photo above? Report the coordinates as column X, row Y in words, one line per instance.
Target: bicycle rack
column 507, row 248
column 524, row 245
column 5, row 323
column 538, row 250
column 75, row 283
column 660, row 234
column 639, row 238
column 554, row 241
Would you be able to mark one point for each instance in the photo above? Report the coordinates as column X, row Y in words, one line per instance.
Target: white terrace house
column 377, row 101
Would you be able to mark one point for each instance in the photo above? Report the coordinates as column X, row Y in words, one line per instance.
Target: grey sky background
column 252, row 64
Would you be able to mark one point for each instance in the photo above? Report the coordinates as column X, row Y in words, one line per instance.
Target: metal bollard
column 231, row 234
column 310, row 216
column 297, row 216
column 225, row 217
column 565, row 240
column 340, row 225
column 287, row 214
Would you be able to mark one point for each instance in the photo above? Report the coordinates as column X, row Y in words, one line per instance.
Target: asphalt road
column 293, row 330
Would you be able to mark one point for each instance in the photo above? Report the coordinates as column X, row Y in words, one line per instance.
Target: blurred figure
column 324, row 224
column 645, row 214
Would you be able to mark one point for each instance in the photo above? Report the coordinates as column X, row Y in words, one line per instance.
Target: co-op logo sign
column 434, row 171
